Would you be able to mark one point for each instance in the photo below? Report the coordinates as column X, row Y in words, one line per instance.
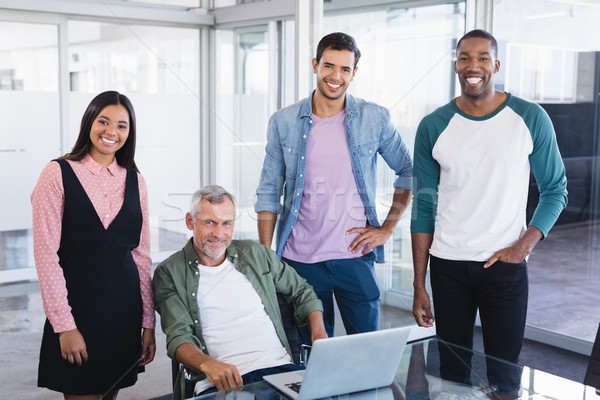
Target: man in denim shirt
column 323, row 152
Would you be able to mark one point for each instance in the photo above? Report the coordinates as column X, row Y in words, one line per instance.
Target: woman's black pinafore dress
column 103, row 287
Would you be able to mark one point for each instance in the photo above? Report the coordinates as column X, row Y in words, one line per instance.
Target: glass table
column 436, row 370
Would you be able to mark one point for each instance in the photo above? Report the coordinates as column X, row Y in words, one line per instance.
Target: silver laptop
column 345, row 364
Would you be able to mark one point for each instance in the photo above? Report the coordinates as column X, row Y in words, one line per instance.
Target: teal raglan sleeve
column 548, row 169
column 426, row 176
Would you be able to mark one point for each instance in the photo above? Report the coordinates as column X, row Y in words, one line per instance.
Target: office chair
column 592, row 376
column 291, row 332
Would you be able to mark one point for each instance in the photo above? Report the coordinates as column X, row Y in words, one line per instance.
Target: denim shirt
column 368, row 131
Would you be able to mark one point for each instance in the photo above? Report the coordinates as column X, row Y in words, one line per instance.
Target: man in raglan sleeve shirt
column 472, row 163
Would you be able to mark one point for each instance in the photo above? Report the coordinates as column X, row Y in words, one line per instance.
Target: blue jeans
column 356, row 290
column 257, row 375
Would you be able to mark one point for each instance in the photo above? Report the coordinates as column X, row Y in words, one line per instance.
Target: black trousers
column 500, row 293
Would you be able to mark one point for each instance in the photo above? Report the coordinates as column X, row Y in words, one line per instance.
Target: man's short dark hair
column 480, row 33
column 338, row 41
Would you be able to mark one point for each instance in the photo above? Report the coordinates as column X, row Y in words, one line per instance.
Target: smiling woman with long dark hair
column 92, row 254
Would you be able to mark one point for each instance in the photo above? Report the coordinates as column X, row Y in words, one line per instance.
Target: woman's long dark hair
column 125, row 155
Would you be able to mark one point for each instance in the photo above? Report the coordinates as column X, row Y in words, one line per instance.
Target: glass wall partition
column 549, row 52
column 241, row 116
column 406, row 66
column 158, row 69
column 254, row 77
column 30, row 115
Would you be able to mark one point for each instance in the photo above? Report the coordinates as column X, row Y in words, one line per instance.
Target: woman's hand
column 148, row 346
column 72, row 347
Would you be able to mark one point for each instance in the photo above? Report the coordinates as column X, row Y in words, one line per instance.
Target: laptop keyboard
column 294, row 386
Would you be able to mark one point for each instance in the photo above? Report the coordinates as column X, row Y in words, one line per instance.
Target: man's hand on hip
column 368, row 236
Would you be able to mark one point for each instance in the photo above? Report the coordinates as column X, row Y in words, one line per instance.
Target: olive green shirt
column 175, row 284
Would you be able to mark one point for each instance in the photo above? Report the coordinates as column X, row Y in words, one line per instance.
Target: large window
column 158, row 68
column 30, row 115
column 241, row 117
column 254, row 78
column 549, row 52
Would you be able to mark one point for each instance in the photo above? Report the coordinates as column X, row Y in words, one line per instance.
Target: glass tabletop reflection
column 432, row 369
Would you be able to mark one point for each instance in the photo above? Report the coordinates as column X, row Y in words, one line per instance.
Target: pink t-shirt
column 330, row 203
column 105, row 186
